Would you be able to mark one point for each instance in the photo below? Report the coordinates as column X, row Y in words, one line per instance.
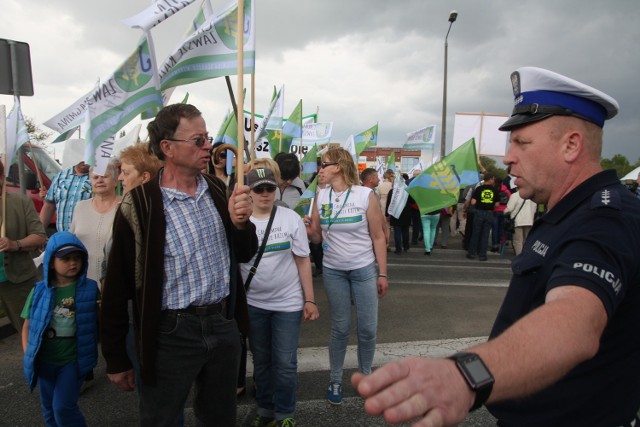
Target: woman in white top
column 93, row 218
column 522, row 213
column 279, row 296
column 347, row 220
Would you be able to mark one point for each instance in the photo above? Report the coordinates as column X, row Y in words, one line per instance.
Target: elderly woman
column 347, row 219
column 93, row 218
column 137, row 166
column 279, row 295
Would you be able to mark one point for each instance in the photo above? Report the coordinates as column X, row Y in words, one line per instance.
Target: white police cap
column 541, row 93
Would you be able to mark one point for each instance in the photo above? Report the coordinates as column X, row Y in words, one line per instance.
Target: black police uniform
column 591, row 239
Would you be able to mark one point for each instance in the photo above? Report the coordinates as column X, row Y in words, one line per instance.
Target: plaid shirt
column 65, row 191
column 196, row 267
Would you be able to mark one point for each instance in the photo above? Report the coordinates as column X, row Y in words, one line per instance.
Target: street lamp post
column 443, row 132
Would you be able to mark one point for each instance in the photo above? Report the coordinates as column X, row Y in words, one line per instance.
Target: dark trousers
column 316, row 254
column 401, row 237
column 416, row 225
column 204, row 350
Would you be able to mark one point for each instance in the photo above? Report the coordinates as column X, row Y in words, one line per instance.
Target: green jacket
column 22, row 221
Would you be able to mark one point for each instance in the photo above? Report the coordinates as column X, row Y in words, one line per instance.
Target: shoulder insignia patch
column 606, row 198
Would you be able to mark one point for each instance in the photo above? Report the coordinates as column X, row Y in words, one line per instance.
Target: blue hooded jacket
column 43, row 304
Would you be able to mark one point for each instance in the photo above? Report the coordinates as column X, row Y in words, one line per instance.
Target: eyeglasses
column 325, row 164
column 262, row 188
column 199, row 141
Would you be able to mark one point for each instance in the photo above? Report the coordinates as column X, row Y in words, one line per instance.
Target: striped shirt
column 65, row 191
column 196, row 251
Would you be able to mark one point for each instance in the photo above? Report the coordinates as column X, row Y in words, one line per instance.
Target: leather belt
column 204, row 310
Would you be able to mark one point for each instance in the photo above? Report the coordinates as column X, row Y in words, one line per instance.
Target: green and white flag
column 306, row 199
column 211, row 51
column 291, row 130
column 422, row 139
column 129, row 91
column 156, row 13
column 367, row 138
column 17, row 134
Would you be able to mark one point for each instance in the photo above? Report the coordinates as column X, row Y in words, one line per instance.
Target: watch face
column 477, row 370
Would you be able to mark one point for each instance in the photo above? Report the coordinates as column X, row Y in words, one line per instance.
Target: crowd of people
column 187, row 270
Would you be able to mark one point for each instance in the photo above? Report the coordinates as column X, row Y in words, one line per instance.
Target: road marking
column 500, row 284
column 312, row 359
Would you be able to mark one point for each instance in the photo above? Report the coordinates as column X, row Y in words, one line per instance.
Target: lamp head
column 453, row 15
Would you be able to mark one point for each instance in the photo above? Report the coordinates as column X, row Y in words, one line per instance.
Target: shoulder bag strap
column 253, row 269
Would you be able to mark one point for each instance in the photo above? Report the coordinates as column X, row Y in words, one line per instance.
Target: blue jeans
column 482, row 221
column 59, row 393
column 343, row 287
column 200, row 349
column 274, row 344
column 429, row 230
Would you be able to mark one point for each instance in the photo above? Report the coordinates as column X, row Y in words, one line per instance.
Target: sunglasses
column 325, row 164
column 262, row 188
column 199, row 141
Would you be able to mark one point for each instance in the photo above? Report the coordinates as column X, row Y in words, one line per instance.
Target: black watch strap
column 476, row 374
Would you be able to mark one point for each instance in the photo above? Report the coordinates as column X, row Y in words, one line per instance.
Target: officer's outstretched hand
column 431, row 392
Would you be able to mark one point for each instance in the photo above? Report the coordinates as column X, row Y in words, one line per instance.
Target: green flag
column 438, row 186
column 304, row 204
column 368, row 138
column 309, row 163
column 228, row 132
column 291, row 129
column 391, row 162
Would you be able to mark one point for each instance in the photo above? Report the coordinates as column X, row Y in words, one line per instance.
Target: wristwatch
column 477, row 376
column 19, row 245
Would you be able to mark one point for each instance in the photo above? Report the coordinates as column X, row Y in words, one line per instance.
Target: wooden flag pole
column 253, row 118
column 240, row 101
column 3, row 150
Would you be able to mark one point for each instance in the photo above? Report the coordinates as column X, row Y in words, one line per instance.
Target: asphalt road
column 436, row 305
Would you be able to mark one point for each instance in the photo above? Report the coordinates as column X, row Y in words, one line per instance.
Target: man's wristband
column 382, row 275
column 311, row 302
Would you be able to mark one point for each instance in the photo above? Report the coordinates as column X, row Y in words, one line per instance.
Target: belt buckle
column 201, row 310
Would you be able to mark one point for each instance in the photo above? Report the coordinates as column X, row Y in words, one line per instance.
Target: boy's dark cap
column 66, row 250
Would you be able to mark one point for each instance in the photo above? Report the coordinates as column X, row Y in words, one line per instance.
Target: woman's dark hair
column 166, row 123
column 289, row 165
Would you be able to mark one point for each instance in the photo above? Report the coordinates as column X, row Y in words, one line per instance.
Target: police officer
column 565, row 347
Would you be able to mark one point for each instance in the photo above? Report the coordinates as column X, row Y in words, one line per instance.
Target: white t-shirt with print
column 276, row 285
column 346, row 240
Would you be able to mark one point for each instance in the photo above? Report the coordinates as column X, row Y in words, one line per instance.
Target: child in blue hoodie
column 60, row 333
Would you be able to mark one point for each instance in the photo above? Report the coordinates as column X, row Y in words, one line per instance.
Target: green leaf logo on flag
column 227, row 27
column 135, row 72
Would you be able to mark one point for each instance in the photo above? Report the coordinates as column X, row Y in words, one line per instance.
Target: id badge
column 325, row 246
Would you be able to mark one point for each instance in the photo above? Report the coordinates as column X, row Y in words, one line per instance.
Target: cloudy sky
column 359, row 62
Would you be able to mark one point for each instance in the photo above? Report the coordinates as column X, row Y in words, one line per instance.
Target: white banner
column 156, row 13
column 484, row 128
column 398, row 198
column 422, row 139
column 72, row 116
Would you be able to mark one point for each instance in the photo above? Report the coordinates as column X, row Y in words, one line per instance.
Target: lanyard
column 338, row 213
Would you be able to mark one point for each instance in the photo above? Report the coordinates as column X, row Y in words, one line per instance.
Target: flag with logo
column 212, row 51
column 438, row 186
column 306, row 199
column 17, row 134
column 129, row 91
column 422, row 139
column 367, row 138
